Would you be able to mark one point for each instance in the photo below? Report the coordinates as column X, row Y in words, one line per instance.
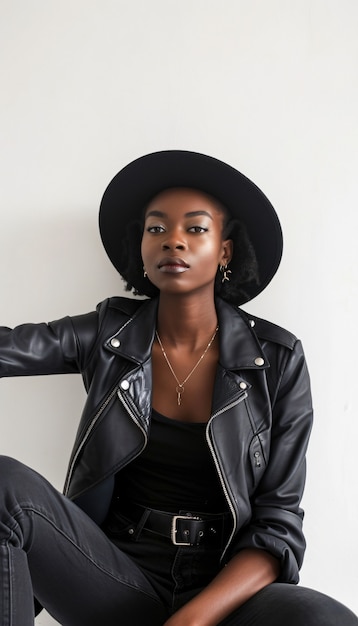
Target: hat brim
column 136, row 184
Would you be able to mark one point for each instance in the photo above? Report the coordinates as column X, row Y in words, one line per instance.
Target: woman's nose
column 174, row 241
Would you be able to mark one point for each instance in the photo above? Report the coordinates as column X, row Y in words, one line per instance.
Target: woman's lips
column 173, row 265
column 173, row 269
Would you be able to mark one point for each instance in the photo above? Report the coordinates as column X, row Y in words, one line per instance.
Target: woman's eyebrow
column 196, row 213
column 189, row 214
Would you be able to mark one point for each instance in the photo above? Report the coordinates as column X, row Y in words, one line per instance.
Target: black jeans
column 50, row 548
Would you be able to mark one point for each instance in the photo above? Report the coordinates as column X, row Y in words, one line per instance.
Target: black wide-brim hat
column 136, row 184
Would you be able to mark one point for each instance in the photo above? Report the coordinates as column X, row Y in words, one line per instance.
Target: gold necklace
column 180, row 386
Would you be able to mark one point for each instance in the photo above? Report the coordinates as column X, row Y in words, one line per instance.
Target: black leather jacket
column 258, row 430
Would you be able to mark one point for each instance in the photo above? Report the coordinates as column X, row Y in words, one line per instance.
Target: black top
column 175, row 471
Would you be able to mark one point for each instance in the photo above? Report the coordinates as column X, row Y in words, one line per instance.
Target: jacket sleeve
column 276, row 522
column 60, row 347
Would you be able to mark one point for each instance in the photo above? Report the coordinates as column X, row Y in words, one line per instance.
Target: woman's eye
column 155, row 229
column 197, row 229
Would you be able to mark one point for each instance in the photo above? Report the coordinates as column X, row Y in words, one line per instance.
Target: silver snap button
column 243, row 385
column 124, row 385
column 252, row 323
column 115, row 343
column 259, row 361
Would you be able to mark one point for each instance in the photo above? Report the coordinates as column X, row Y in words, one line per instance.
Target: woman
column 183, row 489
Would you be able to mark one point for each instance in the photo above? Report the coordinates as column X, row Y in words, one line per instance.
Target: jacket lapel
column 133, row 341
column 240, row 350
column 239, row 346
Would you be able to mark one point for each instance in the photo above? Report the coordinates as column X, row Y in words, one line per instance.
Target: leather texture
column 258, row 431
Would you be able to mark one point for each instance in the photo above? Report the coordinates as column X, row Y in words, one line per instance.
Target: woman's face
column 182, row 242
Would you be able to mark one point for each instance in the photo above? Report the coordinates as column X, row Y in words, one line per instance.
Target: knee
column 14, row 474
column 318, row 609
column 9, row 466
column 301, row 606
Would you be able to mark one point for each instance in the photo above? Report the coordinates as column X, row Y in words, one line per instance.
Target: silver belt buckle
column 174, row 529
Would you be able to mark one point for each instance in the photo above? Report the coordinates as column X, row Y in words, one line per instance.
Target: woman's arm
column 246, row 573
column 41, row 349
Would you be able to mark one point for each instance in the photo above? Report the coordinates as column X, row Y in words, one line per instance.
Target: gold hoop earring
column 225, row 272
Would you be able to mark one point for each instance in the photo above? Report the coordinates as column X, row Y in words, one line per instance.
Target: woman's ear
column 228, row 248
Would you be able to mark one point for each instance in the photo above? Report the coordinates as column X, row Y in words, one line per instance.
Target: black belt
column 185, row 529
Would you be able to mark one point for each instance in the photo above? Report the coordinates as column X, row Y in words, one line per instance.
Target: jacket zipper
column 218, row 468
column 135, row 420
column 257, row 457
column 85, row 437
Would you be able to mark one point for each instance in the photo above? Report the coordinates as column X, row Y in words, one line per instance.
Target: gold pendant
column 180, row 390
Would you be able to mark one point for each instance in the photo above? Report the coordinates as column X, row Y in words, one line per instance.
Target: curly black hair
column 243, row 265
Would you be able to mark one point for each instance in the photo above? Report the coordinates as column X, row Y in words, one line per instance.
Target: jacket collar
column 239, row 346
column 134, row 339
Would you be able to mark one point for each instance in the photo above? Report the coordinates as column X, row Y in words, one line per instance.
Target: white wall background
column 268, row 86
